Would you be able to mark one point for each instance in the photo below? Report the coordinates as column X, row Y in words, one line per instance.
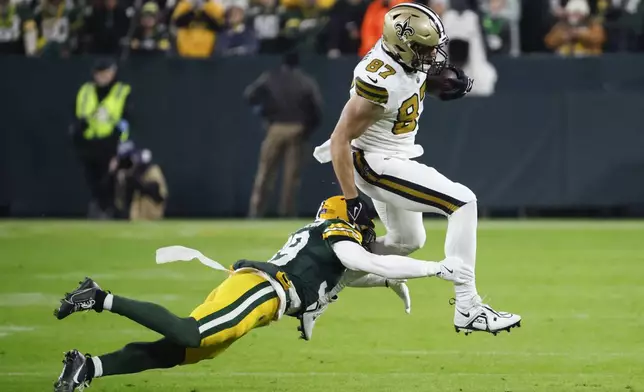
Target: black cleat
column 83, row 298
column 74, row 374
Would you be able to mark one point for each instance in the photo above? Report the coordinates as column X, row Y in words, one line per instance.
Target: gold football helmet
column 415, row 36
column 336, row 208
column 333, row 208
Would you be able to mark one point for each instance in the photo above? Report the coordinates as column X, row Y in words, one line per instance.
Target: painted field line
column 27, row 299
column 157, row 273
column 338, row 374
column 8, row 330
column 486, row 353
column 12, row 300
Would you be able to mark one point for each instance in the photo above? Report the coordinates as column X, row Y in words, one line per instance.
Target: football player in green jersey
column 299, row 280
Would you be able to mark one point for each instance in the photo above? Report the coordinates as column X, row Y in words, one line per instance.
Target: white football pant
column 402, row 190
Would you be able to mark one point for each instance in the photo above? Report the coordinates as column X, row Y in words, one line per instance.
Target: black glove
column 360, row 213
column 460, row 86
column 368, row 237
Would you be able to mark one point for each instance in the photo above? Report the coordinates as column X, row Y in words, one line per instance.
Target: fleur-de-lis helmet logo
column 403, row 29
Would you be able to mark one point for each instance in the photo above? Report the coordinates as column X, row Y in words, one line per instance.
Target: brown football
column 448, row 73
column 439, row 83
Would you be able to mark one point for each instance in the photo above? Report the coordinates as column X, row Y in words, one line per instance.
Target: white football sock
column 460, row 241
column 98, row 367
column 109, row 299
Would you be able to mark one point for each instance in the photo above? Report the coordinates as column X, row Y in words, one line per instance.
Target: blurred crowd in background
column 206, row 28
column 124, row 182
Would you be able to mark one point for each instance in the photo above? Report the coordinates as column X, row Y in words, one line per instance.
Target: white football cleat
column 310, row 316
column 484, row 319
column 399, row 287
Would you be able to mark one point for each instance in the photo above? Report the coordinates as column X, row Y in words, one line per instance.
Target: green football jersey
column 309, row 261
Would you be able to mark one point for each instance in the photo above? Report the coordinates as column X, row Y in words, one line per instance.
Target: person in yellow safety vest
column 101, row 122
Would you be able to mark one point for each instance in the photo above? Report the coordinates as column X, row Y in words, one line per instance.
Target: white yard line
column 11, row 300
column 465, row 353
column 340, row 374
column 8, row 330
column 158, row 273
column 27, row 299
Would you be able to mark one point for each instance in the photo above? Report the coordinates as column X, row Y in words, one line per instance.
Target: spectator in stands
column 17, row 29
column 150, row 37
column 243, row 4
column 141, row 191
column 371, row 28
column 101, row 122
column 166, row 7
column 501, row 25
column 238, row 39
column 58, row 23
column 106, row 27
column 267, row 19
column 304, row 23
column 467, row 48
column 345, row 20
column 290, row 103
column 578, row 34
column 558, row 7
column 624, row 24
column 198, row 22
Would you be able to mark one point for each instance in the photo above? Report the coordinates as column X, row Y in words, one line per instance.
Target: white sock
column 107, row 304
column 466, row 296
column 98, row 367
column 460, row 241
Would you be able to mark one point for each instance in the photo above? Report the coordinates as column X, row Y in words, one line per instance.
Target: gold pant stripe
column 204, row 322
column 257, row 314
column 418, row 194
column 405, row 188
column 233, row 318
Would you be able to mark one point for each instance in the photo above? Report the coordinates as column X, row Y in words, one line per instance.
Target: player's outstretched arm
column 356, row 258
column 358, row 114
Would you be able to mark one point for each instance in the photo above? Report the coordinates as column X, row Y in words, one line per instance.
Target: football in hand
column 442, row 82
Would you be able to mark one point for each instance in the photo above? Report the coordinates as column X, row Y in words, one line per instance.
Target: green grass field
column 578, row 285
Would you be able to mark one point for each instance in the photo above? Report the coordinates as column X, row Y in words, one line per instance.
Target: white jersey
column 381, row 80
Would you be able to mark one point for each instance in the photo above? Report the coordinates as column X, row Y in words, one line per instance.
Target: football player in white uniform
column 373, row 146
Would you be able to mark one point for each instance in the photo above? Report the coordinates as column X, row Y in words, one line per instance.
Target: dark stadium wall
column 558, row 133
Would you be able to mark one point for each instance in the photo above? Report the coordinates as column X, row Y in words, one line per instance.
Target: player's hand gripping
column 454, row 270
column 360, row 213
column 460, row 86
